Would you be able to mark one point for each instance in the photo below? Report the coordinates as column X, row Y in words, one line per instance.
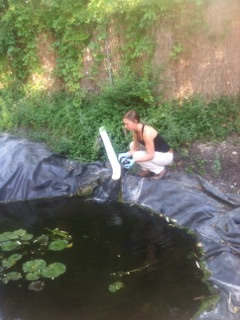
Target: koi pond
column 73, row 259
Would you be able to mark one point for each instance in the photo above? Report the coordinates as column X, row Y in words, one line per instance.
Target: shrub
column 195, row 119
column 69, row 123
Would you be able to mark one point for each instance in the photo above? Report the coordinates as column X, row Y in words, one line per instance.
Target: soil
column 216, row 162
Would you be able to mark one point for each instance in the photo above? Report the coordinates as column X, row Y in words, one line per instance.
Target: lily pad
column 10, row 245
column 53, row 270
column 12, row 276
column 34, row 265
column 23, row 235
column 115, row 286
column 5, row 236
column 26, row 237
column 112, row 288
column 10, row 261
column 19, row 232
column 58, row 245
column 14, row 235
column 32, row 276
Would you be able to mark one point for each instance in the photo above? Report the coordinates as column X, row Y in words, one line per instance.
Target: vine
column 73, row 24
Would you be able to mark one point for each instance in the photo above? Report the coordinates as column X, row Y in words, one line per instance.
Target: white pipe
column 116, row 168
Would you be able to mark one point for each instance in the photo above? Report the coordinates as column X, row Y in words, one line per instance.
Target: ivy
column 72, row 24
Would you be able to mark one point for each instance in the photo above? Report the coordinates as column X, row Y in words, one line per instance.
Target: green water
column 163, row 282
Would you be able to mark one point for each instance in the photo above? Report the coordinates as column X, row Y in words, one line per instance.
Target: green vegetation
column 114, row 287
column 207, row 304
column 14, row 266
column 69, row 123
column 196, row 119
column 75, row 26
column 217, row 165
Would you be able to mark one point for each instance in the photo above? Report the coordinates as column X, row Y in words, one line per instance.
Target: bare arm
column 149, row 144
column 135, row 146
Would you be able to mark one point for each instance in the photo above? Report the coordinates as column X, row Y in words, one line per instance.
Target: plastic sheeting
column 212, row 215
column 30, row 171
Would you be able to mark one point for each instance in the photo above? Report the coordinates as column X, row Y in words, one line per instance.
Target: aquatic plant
column 27, row 245
column 115, row 286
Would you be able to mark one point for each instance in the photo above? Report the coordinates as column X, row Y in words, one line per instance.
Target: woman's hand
column 125, row 155
column 129, row 163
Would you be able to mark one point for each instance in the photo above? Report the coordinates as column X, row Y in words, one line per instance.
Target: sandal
column 159, row 175
column 145, row 173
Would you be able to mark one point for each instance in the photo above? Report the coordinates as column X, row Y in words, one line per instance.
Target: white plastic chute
column 116, row 168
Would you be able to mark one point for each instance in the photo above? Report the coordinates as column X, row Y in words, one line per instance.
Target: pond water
column 124, row 263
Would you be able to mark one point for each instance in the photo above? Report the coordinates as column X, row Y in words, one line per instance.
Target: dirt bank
column 216, row 162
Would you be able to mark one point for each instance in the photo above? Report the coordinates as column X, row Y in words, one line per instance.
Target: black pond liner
column 30, row 171
column 158, row 261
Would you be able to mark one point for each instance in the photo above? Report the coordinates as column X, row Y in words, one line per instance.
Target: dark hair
column 132, row 115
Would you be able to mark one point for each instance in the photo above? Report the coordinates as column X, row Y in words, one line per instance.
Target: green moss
column 207, row 304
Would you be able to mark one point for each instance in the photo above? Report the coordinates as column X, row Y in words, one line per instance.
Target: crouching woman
column 148, row 148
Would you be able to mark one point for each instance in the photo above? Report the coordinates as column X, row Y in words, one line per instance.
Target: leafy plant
column 194, row 119
column 217, row 165
column 176, row 51
column 69, row 123
column 77, row 26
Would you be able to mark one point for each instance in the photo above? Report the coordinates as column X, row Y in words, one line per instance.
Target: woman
column 148, row 148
